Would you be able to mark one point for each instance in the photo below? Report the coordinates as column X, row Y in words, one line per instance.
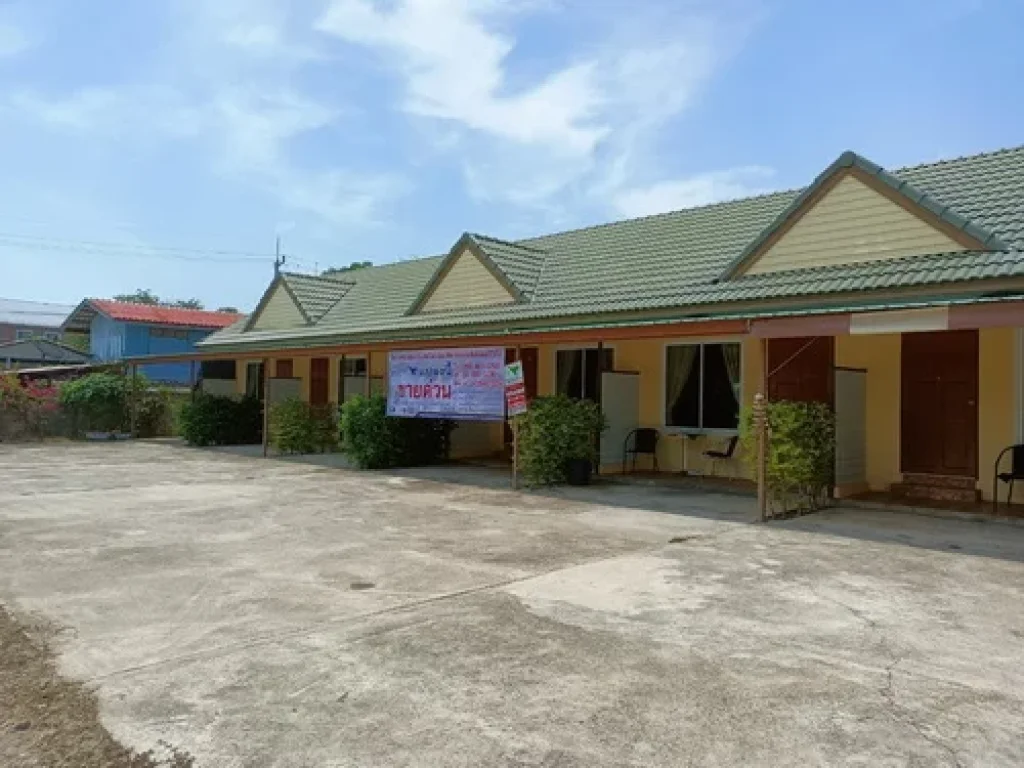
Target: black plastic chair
column 716, row 456
column 1016, row 473
column 645, row 441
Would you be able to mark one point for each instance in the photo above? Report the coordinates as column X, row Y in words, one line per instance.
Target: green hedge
column 210, row 420
column 100, row 402
column 801, row 453
column 554, row 431
column 298, row 427
column 374, row 440
column 97, row 402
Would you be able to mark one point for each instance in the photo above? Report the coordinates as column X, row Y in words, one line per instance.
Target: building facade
column 897, row 298
column 121, row 329
column 24, row 320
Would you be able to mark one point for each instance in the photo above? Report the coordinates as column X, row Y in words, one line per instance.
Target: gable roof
column 675, row 261
column 491, row 253
column 41, row 351
column 149, row 314
column 973, row 235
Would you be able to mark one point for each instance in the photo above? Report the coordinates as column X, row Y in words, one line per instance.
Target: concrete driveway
column 270, row 613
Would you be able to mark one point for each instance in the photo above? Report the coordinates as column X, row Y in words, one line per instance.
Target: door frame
column 975, row 433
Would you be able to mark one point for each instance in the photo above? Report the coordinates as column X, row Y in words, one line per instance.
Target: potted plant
column 558, row 440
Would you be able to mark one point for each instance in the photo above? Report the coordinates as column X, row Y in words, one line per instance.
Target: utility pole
column 279, row 259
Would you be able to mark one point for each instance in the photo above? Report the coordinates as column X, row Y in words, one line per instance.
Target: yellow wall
column 879, row 354
column 279, row 312
column 997, row 423
column 646, row 357
column 852, row 223
column 468, row 283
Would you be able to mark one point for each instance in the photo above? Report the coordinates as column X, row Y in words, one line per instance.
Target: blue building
column 120, row 329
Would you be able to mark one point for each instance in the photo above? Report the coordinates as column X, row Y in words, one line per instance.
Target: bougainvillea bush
column 28, row 411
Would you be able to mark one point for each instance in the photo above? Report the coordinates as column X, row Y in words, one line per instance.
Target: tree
column 141, row 296
column 351, row 267
column 146, row 296
column 232, row 310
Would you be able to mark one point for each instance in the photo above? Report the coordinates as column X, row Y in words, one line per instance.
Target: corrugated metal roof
column 155, row 314
column 40, row 314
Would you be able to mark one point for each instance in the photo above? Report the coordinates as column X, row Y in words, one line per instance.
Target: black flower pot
column 578, row 471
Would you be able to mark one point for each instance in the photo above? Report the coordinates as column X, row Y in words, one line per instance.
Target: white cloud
column 227, row 81
column 14, row 40
column 577, row 133
column 699, row 189
column 454, row 66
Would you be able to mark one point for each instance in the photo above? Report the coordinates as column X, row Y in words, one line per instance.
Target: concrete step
column 908, row 490
column 939, row 481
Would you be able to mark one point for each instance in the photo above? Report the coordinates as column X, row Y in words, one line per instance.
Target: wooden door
column 801, row 369
column 939, row 403
column 319, row 374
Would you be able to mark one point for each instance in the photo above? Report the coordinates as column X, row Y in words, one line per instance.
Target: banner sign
column 515, row 389
column 447, row 384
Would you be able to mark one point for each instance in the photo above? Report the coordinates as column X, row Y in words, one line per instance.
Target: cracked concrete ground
column 271, row 613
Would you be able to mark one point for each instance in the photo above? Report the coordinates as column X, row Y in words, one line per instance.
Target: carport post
column 761, row 427
column 266, row 404
column 600, row 401
column 132, row 397
column 515, row 433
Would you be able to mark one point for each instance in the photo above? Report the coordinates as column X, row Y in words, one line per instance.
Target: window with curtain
column 254, row 380
column 577, row 372
column 352, row 381
column 702, row 386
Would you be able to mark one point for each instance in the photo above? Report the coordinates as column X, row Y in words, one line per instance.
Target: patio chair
column 644, row 441
column 717, row 456
column 1016, row 473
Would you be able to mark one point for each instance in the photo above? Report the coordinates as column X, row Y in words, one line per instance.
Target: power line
column 28, row 242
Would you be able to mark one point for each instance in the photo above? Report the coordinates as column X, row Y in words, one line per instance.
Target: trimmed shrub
column 801, row 453
column 210, row 420
column 298, row 427
column 374, row 440
column 553, row 432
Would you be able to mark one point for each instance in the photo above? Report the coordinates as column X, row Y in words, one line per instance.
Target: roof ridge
column 327, row 278
column 763, row 195
column 663, row 214
column 960, row 158
column 511, row 243
column 161, row 305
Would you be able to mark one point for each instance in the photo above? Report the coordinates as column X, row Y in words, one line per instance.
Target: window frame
column 24, row 334
column 700, row 341
column 576, row 348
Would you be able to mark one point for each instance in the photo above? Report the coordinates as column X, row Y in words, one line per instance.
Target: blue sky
column 382, row 130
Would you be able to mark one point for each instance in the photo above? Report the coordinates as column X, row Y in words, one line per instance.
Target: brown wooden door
column 801, row 369
column 939, row 403
column 319, row 374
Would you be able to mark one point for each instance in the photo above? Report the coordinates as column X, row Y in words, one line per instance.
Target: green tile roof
column 316, row 295
column 674, row 261
column 522, row 264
